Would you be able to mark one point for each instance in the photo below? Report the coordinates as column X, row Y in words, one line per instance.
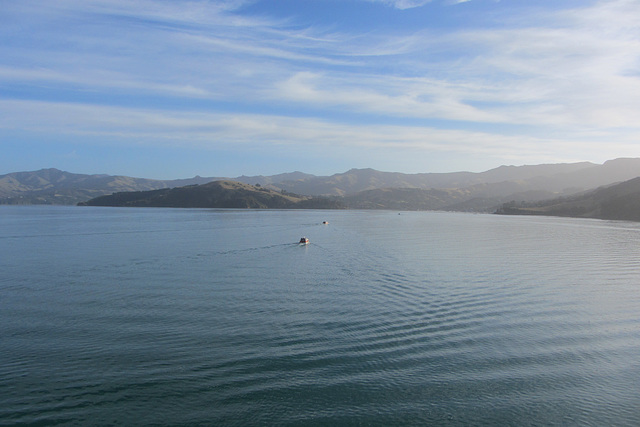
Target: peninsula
column 216, row 194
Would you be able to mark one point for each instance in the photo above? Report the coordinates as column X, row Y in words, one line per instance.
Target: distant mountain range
column 356, row 188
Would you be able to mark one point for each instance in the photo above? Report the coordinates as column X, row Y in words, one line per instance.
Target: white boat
column 304, row 241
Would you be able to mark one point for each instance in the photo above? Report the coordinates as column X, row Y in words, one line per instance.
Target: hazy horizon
column 248, row 174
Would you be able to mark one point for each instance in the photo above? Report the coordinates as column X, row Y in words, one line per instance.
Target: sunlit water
column 218, row 317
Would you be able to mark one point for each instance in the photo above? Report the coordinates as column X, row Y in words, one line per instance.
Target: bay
column 148, row 316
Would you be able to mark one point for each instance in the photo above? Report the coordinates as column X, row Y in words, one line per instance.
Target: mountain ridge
column 475, row 191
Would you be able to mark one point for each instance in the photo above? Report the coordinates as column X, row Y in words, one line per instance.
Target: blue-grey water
column 116, row 316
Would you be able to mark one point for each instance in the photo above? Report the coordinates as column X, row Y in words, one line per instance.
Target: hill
column 615, row 202
column 56, row 187
column 217, row 194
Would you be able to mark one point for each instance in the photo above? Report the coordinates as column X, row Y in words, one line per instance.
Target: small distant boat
column 304, row 241
column 325, row 222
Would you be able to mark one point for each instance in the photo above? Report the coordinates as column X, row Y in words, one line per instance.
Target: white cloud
column 403, row 4
column 186, row 12
column 262, row 49
column 409, row 97
column 572, row 75
column 100, row 79
column 410, row 4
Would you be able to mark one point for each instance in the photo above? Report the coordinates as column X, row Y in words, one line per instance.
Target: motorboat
column 304, row 241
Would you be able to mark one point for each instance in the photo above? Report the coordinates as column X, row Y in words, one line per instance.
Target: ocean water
column 131, row 316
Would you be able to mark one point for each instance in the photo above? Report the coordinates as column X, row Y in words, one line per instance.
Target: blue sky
column 173, row 89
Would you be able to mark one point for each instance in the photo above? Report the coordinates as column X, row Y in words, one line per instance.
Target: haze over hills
column 615, row 202
column 356, row 180
column 356, row 188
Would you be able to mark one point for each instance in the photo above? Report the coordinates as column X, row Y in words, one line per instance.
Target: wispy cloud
column 204, row 71
column 192, row 129
column 410, row 4
column 403, row 4
column 189, row 12
column 574, row 73
column 584, row 68
column 400, row 97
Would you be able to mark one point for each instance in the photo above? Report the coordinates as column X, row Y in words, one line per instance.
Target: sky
column 173, row 89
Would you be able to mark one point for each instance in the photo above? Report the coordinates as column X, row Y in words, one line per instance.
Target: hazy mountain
column 251, row 180
column 273, row 179
column 356, row 180
column 498, row 186
column 466, row 190
column 479, row 198
column 615, row 202
column 217, row 194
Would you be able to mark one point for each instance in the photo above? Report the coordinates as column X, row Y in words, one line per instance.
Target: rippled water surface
column 217, row 317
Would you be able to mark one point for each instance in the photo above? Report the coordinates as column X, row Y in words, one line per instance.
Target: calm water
column 216, row 317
